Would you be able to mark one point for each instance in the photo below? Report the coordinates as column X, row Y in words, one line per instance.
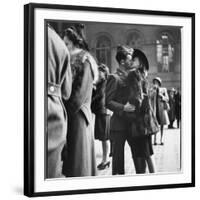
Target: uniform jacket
column 116, row 98
column 59, row 88
column 58, row 91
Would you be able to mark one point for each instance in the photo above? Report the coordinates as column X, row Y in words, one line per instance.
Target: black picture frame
column 29, row 96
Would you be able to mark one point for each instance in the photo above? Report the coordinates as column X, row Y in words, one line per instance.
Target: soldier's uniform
column 116, row 98
column 58, row 90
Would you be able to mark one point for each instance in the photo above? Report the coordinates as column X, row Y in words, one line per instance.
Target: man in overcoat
column 58, row 91
column 171, row 111
column 116, row 100
column 178, row 106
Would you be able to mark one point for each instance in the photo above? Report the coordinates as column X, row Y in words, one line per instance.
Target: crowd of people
column 87, row 102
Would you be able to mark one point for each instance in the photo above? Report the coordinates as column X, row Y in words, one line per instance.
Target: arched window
column 103, row 50
column 165, row 52
column 135, row 39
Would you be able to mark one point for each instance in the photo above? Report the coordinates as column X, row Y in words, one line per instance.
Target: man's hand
column 129, row 108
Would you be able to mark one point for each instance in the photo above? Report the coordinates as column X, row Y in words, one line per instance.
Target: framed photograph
column 109, row 99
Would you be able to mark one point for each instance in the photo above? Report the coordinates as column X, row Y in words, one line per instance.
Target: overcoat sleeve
column 111, row 89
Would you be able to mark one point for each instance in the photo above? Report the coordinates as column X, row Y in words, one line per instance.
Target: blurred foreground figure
column 58, row 91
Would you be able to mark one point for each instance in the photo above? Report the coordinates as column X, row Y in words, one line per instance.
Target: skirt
column 142, row 147
column 79, row 152
column 102, row 127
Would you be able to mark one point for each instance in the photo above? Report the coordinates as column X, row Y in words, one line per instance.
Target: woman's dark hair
column 103, row 68
column 76, row 36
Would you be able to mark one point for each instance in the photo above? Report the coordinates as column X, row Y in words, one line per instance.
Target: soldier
column 59, row 90
column 116, row 100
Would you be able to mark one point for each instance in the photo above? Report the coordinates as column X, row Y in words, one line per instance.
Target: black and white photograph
column 114, row 99
column 109, row 100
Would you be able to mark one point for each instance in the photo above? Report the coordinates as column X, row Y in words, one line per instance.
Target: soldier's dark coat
column 116, row 97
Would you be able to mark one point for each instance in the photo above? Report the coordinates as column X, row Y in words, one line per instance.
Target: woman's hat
column 173, row 90
column 138, row 53
column 158, row 79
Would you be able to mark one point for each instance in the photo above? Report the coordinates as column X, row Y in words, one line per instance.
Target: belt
column 54, row 90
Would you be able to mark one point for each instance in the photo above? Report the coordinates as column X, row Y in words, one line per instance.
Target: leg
column 105, row 158
column 170, row 125
column 151, row 164
column 161, row 132
column 118, row 143
column 140, row 165
column 173, row 123
column 177, row 123
column 155, row 143
column 111, row 149
column 105, row 147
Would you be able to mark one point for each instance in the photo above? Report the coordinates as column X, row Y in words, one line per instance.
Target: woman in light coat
column 79, row 154
column 159, row 102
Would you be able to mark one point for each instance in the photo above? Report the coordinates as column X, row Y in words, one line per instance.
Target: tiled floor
column 167, row 157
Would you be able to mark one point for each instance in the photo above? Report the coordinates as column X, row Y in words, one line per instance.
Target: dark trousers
column 118, row 142
column 171, row 123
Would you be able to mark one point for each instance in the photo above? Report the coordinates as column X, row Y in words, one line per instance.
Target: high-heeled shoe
column 102, row 166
